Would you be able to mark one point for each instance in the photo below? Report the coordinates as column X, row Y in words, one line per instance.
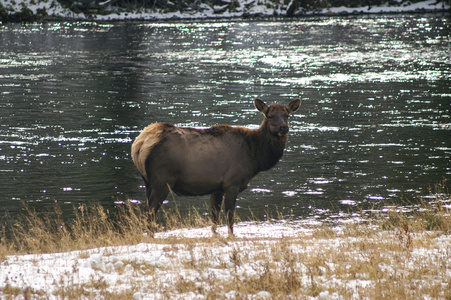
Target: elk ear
column 261, row 106
column 293, row 105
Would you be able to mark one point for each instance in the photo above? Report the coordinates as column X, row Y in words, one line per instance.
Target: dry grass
column 431, row 213
column 399, row 255
column 92, row 226
column 47, row 232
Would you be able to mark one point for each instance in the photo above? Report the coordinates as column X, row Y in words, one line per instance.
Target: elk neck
column 267, row 149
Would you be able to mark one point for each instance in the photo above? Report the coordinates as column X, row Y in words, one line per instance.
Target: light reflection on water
column 373, row 127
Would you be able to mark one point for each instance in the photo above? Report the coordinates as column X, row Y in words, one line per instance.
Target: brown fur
column 219, row 161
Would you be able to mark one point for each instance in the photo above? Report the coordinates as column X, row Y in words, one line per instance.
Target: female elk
column 220, row 161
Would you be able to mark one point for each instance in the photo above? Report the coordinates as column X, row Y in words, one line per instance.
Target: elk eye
column 268, row 117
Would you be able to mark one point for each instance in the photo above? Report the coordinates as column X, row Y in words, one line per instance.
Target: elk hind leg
column 216, row 201
column 154, row 202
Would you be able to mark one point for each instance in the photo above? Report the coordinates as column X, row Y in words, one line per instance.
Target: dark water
column 374, row 125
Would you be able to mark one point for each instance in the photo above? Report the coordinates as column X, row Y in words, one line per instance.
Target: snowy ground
column 190, row 264
column 246, row 8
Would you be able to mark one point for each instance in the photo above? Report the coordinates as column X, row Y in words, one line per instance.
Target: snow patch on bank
column 195, row 256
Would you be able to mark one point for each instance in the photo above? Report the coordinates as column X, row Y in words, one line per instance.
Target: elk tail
column 143, row 145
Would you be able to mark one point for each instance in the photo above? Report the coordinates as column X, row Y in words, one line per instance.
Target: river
column 374, row 126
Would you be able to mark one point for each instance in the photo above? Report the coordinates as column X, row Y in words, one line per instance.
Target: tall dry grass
column 94, row 226
column 429, row 213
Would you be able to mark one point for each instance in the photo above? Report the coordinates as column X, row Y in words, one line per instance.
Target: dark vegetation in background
column 288, row 8
column 25, row 15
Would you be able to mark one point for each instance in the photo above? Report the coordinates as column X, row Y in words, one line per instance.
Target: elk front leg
column 230, row 201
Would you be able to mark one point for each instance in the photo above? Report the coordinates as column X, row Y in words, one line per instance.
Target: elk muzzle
column 283, row 130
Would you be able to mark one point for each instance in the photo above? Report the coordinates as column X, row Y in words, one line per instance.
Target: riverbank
column 272, row 261
column 400, row 252
column 41, row 10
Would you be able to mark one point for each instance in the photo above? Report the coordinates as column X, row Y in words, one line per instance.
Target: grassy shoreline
column 94, row 226
column 401, row 255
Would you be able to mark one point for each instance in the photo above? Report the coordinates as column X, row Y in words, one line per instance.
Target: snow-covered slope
column 191, row 264
column 245, row 8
